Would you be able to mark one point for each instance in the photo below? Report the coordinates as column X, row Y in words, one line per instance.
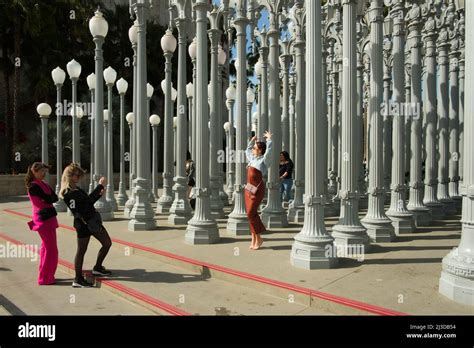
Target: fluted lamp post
column 202, row 228
column 142, row 215
column 59, row 76
column 74, row 71
column 131, row 158
column 44, row 110
column 190, row 95
column 122, row 86
column 349, row 233
column 231, row 93
column 133, row 37
column 313, row 247
column 91, row 84
column 457, row 281
column 237, row 224
column 168, row 45
column 99, row 27
column 192, row 54
column 250, row 101
column 110, row 75
column 155, row 121
column 149, row 93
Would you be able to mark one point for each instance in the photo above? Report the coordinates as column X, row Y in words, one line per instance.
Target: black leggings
column 82, row 244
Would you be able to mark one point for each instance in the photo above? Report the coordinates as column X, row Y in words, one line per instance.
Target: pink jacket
column 37, row 224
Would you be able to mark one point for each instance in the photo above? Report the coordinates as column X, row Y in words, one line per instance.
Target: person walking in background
column 191, row 175
column 258, row 155
column 286, row 171
column 87, row 221
column 42, row 197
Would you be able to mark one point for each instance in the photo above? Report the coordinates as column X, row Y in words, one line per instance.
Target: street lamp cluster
column 334, row 90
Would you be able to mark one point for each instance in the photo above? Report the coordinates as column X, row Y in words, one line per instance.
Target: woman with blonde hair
column 42, row 197
column 87, row 221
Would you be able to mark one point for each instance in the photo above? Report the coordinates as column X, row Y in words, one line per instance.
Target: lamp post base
column 316, row 254
column 379, row 230
column 201, row 232
column 296, row 213
column 456, row 280
column 421, row 216
column 164, row 205
column 349, row 238
column 238, row 225
column 437, row 210
column 402, row 223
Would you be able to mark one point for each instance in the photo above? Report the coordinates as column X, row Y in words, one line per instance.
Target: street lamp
column 74, row 71
column 59, row 76
column 149, row 93
column 122, row 86
column 78, row 113
column 130, row 118
column 155, row 120
column 231, row 94
column 190, row 95
column 91, row 84
column 250, row 101
column 44, row 110
column 133, row 37
column 99, row 27
column 110, row 75
column 168, row 44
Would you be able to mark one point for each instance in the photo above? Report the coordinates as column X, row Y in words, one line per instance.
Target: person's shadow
column 141, row 275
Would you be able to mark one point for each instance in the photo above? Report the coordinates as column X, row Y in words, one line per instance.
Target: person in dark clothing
column 191, row 175
column 286, row 172
column 87, row 221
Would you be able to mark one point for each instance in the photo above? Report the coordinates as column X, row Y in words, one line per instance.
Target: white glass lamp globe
column 226, row 126
column 250, row 96
column 73, row 69
column 236, row 64
column 163, row 86
column 175, row 122
column 98, row 26
column 91, row 81
column 122, row 86
column 106, row 115
column 129, row 118
column 110, row 75
column 222, row 56
column 58, row 75
column 133, row 33
column 231, row 92
column 192, row 49
column 44, row 110
column 79, row 112
column 149, row 90
column 155, row 120
column 168, row 42
column 174, row 94
column 190, row 90
column 259, row 67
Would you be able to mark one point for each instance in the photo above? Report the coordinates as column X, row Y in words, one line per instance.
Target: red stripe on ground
column 367, row 307
column 120, row 287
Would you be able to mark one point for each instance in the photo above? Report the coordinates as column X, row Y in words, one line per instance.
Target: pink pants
column 48, row 257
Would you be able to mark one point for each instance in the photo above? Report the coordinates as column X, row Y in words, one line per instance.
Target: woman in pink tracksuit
column 42, row 197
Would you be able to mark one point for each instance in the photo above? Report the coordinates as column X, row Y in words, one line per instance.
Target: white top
column 261, row 162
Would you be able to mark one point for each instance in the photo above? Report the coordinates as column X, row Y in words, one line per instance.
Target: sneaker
column 81, row 283
column 101, row 271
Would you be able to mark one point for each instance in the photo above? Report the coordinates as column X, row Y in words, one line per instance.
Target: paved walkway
column 156, row 267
